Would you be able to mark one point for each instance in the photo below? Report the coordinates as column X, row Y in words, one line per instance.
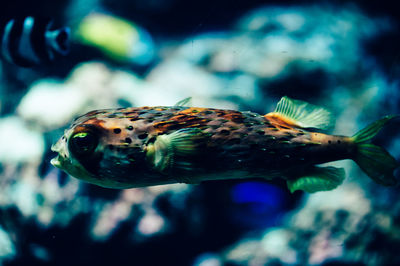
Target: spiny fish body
column 32, row 41
column 135, row 147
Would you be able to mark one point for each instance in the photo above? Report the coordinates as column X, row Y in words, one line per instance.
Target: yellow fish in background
column 146, row 146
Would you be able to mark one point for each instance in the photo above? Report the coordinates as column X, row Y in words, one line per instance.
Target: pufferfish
column 146, row 146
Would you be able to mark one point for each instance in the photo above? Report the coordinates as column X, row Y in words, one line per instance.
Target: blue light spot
column 257, row 192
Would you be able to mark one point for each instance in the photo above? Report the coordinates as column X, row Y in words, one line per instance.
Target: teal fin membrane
column 185, row 102
column 375, row 161
column 318, row 179
column 173, row 150
column 303, row 114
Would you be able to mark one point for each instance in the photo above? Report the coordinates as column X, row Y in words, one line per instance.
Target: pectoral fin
column 173, row 151
column 318, row 179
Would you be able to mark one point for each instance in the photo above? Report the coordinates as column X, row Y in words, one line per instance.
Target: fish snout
column 59, row 147
column 56, row 161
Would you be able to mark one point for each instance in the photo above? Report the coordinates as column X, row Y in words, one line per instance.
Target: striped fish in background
column 32, row 41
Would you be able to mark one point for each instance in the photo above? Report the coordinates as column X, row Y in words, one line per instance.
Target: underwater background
column 242, row 55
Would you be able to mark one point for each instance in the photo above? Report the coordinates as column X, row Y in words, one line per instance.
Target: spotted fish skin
column 134, row 147
column 231, row 140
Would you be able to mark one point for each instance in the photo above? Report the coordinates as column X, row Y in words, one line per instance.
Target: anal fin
column 318, row 179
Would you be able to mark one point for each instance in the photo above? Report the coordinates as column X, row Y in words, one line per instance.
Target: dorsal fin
column 301, row 114
column 185, row 102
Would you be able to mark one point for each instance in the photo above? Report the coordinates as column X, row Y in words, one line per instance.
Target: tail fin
column 375, row 161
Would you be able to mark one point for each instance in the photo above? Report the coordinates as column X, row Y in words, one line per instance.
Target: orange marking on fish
column 280, row 121
column 192, row 110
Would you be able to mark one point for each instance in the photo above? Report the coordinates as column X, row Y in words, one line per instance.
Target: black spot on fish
column 339, row 141
column 143, row 136
column 112, row 116
column 117, row 130
column 129, row 127
column 330, row 142
column 128, row 140
column 175, row 126
column 225, row 132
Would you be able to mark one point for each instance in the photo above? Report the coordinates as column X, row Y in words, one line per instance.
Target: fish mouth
column 56, row 161
column 55, row 147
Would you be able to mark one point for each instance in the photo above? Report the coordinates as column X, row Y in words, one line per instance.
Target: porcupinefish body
column 135, row 147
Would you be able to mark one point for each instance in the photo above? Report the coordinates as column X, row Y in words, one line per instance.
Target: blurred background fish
column 119, row 39
column 33, row 41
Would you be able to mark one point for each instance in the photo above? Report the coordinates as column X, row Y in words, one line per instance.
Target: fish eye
column 83, row 143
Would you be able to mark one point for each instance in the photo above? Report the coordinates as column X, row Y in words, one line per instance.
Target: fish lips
column 56, row 162
column 59, row 148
